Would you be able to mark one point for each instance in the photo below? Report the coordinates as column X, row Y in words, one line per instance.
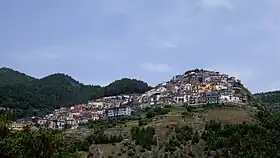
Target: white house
column 229, row 98
column 118, row 111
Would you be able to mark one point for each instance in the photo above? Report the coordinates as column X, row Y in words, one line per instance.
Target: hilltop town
column 193, row 88
column 196, row 87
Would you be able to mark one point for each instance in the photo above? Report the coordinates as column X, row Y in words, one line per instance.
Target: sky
column 99, row 41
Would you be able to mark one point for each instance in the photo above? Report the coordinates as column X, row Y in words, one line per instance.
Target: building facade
column 117, row 111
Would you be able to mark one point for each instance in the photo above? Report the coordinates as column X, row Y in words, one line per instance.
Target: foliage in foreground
column 32, row 144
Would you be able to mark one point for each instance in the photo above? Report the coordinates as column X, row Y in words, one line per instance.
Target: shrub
column 157, row 111
column 144, row 136
column 142, row 122
column 130, row 152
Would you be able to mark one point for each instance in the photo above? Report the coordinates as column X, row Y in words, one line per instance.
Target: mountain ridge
column 56, row 90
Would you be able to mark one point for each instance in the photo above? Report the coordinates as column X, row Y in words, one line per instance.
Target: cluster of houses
column 103, row 108
column 196, row 87
column 192, row 88
column 72, row 117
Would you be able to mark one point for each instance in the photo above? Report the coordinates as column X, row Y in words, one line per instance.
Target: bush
column 167, row 106
column 190, row 108
column 100, row 138
column 196, row 137
column 191, row 154
column 144, row 136
column 130, row 152
column 182, row 136
column 142, row 150
column 185, row 113
column 157, row 111
column 142, row 122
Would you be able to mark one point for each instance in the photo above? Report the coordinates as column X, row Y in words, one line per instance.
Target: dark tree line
column 27, row 96
column 245, row 140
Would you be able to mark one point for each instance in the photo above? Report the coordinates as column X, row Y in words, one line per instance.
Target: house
column 221, row 87
column 235, row 99
column 71, row 122
column 60, row 124
column 117, row 111
column 202, row 98
column 193, row 100
column 82, row 121
column 96, row 104
column 95, row 116
column 225, row 98
column 42, row 121
column 212, row 97
column 51, row 124
column 17, row 126
column 166, row 99
column 181, row 99
column 188, row 87
column 145, row 105
column 76, row 114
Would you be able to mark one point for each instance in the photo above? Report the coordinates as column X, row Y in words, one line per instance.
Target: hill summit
column 198, row 86
column 9, row 76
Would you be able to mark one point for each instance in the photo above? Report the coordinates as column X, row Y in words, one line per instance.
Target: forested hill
column 28, row 96
column 271, row 100
column 9, row 76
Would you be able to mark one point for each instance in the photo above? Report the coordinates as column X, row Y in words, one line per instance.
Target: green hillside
column 270, row 100
column 28, row 96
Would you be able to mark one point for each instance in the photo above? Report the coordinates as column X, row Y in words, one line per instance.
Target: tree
column 144, row 136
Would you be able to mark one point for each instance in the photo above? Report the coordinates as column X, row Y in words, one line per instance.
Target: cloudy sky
column 97, row 41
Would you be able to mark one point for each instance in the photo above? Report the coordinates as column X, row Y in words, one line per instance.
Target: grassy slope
column 163, row 126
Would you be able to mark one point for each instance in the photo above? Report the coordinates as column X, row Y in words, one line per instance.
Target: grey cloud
column 156, row 67
column 218, row 3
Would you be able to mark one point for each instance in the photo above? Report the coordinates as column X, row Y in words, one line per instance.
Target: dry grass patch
column 164, row 125
column 229, row 115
